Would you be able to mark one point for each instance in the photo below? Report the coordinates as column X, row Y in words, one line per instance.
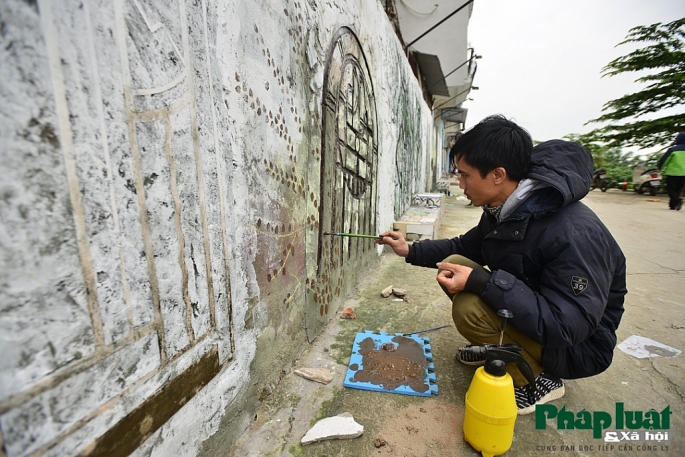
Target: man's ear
column 499, row 174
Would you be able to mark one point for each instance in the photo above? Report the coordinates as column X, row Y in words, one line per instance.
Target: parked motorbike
column 646, row 180
column 600, row 179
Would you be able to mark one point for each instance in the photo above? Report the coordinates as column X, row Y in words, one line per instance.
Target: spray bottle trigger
column 527, row 373
column 509, row 353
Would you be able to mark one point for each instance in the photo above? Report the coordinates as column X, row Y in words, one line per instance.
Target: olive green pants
column 479, row 324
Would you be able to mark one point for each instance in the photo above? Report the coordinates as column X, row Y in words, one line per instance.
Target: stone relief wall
column 411, row 173
column 169, row 169
column 348, row 180
column 141, row 275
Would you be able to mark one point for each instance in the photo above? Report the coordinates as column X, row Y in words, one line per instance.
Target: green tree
column 618, row 164
column 593, row 143
column 665, row 54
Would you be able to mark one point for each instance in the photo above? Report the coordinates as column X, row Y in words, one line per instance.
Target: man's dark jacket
column 554, row 265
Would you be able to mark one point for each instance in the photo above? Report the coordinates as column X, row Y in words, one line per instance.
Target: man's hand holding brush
column 396, row 241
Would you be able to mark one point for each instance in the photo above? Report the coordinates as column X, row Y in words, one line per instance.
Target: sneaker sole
column 553, row 395
column 477, row 363
column 471, row 364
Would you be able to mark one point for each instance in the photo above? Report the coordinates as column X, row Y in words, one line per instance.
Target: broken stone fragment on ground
column 348, row 313
column 340, row 427
column 322, row 375
column 399, row 292
column 385, row 293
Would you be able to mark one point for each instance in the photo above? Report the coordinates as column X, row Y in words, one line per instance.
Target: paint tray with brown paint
column 400, row 364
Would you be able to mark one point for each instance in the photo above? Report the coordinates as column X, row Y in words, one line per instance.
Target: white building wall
column 448, row 41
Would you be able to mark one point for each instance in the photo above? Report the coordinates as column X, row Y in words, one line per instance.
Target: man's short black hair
column 495, row 142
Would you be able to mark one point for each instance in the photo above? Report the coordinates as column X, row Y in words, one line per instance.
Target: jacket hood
column 565, row 166
column 680, row 138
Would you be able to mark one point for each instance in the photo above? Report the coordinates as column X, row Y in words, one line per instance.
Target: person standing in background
column 672, row 165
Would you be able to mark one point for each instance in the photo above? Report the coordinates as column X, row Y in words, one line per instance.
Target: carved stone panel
column 140, row 290
column 349, row 159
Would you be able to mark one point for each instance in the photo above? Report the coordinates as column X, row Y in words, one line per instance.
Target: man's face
column 479, row 190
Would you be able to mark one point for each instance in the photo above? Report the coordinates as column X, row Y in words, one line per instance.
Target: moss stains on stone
column 331, row 407
column 281, row 399
column 296, row 450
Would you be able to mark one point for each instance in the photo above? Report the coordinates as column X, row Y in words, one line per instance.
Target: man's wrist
column 409, row 258
column 477, row 281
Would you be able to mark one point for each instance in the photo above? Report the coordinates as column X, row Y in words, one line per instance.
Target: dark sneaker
column 679, row 205
column 548, row 388
column 467, row 358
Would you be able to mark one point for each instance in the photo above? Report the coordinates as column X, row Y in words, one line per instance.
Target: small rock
column 385, row 293
column 422, row 410
column 322, row 375
column 399, row 292
column 340, row 427
column 388, row 347
column 325, row 349
column 379, row 442
column 411, row 429
column 348, row 313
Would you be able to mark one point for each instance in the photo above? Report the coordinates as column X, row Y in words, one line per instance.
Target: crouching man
column 537, row 252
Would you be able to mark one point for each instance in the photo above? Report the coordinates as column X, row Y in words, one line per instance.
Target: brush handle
column 354, row 235
column 427, row 330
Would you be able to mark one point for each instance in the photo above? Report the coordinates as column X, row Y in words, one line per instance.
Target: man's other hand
column 396, row 241
column 453, row 277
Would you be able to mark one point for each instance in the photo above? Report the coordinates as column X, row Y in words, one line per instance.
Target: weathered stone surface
column 158, row 159
column 399, row 292
column 322, row 375
column 340, row 427
column 385, row 293
column 124, row 437
column 33, row 424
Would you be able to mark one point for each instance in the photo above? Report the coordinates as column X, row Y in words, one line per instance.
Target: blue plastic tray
column 379, row 339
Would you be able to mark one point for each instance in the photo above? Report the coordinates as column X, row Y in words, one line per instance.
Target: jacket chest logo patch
column 578, row 284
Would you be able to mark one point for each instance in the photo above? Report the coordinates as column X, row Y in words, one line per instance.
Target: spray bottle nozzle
column 504, row 314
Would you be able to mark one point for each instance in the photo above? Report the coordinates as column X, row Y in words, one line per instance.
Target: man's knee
column 468, row 310
column 461, row 260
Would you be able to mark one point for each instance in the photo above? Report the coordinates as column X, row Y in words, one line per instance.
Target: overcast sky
column 542, row 59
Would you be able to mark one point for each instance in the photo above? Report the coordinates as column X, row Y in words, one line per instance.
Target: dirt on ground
column 431, row 428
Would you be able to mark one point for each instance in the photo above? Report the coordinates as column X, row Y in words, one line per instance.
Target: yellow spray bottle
column 490, row 412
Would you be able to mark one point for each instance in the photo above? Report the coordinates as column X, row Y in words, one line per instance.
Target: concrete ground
column 653, row 239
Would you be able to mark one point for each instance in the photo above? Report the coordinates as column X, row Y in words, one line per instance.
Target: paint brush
column 354, row 235
column 427, row 330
